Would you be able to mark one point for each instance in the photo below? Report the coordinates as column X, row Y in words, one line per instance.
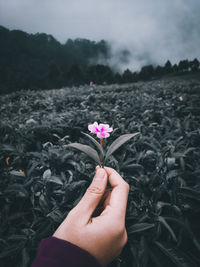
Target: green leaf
column 47, row 174
column 172, row 174
column 87, row 150
column 132, row 167
column 95, row 143
column 25, row 257
column 134, row 252
column 8, row 253
column 171, row 162
column 162, row 220
column 139, row 227
column 143, row 254
column 190, row 149
column 11, row 252
column 17, row 189
column 7, row 148
column 55, row 215
column 32, row 168
column 175, row 255
column 55, row 179
column 155, row 257
column 17, row 237
column 119, row 142
column 43, row 203
column 187, row 228
column 189, row 192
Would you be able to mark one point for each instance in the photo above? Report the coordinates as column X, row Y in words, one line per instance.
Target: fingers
column 119, row 195
column 96, row 194
column 105, row 200
column 93, row 195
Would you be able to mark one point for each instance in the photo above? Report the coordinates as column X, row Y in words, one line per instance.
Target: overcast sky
column 153, row 30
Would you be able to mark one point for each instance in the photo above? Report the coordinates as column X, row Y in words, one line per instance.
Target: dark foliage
column 42, row 178
column 39, row 61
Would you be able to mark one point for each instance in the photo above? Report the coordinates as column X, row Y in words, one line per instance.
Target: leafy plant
column 102, row 132
column 42, row 178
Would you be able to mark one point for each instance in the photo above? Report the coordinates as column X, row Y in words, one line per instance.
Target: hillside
column 39, row 61
column 161, row 165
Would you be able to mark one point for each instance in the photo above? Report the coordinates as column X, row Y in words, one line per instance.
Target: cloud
column 152, row 30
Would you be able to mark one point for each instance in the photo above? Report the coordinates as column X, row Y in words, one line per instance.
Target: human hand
column 103, row 236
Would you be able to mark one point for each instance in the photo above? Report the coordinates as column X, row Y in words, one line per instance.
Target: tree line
column 39, row 61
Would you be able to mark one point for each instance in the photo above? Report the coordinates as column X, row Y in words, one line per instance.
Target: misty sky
column 153, row 30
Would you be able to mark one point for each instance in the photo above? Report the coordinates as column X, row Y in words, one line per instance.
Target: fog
column 153, row 31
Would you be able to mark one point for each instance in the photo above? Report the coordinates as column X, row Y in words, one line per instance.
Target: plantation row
column 42, row 179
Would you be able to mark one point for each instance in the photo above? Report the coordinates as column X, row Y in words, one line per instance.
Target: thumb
column 93, row 195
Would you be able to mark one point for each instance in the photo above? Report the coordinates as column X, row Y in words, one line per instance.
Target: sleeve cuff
column 53, row 252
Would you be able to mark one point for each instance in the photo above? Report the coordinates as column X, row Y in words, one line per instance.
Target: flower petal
column 101, row 129
column 93, row 128
column 108, row 130
column 106, row 135
column 90, row 128
column 103, row 135
column 99, row 135
column 105, row 128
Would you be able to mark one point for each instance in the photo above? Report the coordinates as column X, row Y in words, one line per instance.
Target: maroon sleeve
column 54, row 252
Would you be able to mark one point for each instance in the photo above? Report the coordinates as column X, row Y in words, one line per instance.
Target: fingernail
column 100, row 174
column 97, row 167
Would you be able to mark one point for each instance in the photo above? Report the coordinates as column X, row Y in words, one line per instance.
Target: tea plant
column 42, row 178
column 102, row 131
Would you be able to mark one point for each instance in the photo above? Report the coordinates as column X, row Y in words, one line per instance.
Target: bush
column 42, row 180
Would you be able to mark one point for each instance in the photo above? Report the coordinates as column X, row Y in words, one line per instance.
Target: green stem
column 101, row 144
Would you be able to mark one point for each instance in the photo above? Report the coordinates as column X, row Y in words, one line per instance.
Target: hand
column 103, row 236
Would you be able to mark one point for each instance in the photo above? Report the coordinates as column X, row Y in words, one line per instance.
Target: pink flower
column 180, row 98
column 93, row 128
column 101, row 130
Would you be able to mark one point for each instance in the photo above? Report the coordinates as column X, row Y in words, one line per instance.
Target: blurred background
column 48, row 44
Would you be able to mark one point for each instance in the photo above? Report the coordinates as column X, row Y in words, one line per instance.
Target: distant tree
column 54, row 76
column 168, row 67
column 183, row 65
column 75, row 75
column 39, row 61
column 103, row 49
column 27, row 60
column 194, row 65
column 84, row 52
column 127, row 76
column 159, row 70
column 100, row 74
column 135, row 77
column 175, row 68
column 117, row 78
column 146, row 72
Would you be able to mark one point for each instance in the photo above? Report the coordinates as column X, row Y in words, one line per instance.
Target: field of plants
column 41, row 179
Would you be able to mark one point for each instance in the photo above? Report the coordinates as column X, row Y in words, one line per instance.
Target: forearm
column 60, row 253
